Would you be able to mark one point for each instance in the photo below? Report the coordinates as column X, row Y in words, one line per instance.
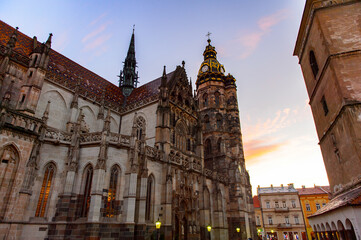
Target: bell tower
column 222, row 139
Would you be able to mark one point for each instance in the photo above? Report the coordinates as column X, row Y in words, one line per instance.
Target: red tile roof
column 256, row 203
column 67, row 72
column 314, row 190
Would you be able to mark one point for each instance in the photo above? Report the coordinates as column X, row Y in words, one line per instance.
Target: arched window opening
column 208, row 147
column 207, row 122
column 149, row 198
column 45, row 191
column 9, row 163
column 88, row 176
column 313, row 63
column 173, row 137
column 205, row 100
column 219, row 142
column 188, row 144
column 216, row 98
column 219, row 121
column 112, row 192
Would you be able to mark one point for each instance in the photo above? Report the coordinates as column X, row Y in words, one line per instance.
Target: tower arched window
column 219, row 120
column 217, row 99
column 208, row 147
column 87, row 179
column 45, row 190
column 205, row 100
column 149, row 199
column 219, row 143
column 207, row 122
column 188, row 144
column 313, row 63
column 111, row 208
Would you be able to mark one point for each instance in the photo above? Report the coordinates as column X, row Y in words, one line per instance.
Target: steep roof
column 66, row 72
column 314, row 191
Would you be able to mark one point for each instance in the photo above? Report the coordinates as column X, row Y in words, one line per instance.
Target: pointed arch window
column 313, row 63
column 219, row 142
column 88, row 178
column 45, row 191
column 217, row 98
column 140, row 126
column 111, row 209
column 219, row 120
column 207, row 122
column 208, row 147
column 8, row 168
column 149, row 199
column 205, row 100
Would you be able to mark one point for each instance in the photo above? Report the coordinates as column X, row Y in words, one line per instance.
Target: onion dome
column 211, row 69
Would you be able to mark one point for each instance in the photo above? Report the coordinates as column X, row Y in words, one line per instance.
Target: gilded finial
column 133, row 28
column 209, row 39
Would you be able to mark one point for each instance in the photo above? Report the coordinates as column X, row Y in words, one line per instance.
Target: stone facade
column 281, row 213
column 329, row 50
column 84, row 159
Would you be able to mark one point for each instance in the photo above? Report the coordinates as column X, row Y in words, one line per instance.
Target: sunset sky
column 254, row 41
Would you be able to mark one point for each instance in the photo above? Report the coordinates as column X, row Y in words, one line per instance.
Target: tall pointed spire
column 129, row 77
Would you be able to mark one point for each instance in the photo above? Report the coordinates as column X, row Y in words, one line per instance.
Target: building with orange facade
column 258, row 216
column 312, row 199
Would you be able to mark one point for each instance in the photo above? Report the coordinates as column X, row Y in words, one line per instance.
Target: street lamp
column 209, row 228
column 157, row 226
column 238, row 229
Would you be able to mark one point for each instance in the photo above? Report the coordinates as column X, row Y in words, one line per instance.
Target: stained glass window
column 45, row 191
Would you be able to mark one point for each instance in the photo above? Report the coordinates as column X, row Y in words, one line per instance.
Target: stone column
column 96, row 195
column 129, row 197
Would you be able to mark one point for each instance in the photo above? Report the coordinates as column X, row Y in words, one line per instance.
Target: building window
column 88, row 176
column 208, row 147
column 205, row 100
column 287, row 220
column 297, row 221
column 308, row 208
column 112, row 192
column 277, row 205
column 219, row 121
column 258, row 221
column 216, row 98
column 207, row 122
column 318, row 206
column 284, row 204
column 324, row 105
column 268, row 205
column 188, row 144
column 313, row 64
column 140, row 125
column 149, row 205
column 270, row 220
column 219, row 143
column 45, row 191
column 293, row 203
column 323, row 204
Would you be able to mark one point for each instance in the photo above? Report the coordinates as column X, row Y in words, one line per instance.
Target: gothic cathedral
column 82, row 158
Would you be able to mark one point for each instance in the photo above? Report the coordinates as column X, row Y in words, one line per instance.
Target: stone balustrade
column 23, row 122
column 54, row 135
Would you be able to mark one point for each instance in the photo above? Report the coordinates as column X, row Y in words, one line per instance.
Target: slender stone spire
column 7, row 95
column 129, row 77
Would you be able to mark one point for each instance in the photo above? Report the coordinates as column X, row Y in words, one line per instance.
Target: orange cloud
column 249, row 42
column 257, row 148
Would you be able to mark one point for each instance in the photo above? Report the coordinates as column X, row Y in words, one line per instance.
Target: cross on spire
column 133, row 27
column 208, row 34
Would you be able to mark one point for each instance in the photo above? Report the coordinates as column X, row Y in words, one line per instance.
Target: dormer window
column 313, row 64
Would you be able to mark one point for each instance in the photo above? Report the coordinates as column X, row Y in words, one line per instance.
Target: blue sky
column 254, row 40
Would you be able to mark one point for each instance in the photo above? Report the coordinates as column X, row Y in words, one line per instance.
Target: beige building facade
column 329, row 51
column 281, row 213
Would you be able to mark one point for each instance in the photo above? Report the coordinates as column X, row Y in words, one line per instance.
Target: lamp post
column 209, row 228
column 157, row 226
column 238, row 229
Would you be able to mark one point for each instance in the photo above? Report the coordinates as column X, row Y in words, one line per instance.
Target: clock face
column 204, row 68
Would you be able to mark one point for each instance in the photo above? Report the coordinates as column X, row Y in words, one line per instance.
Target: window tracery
column 45, row 190
column 112, row 192
column 88, row 178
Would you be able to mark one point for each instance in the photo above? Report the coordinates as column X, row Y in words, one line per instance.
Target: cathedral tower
column 222, row 139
